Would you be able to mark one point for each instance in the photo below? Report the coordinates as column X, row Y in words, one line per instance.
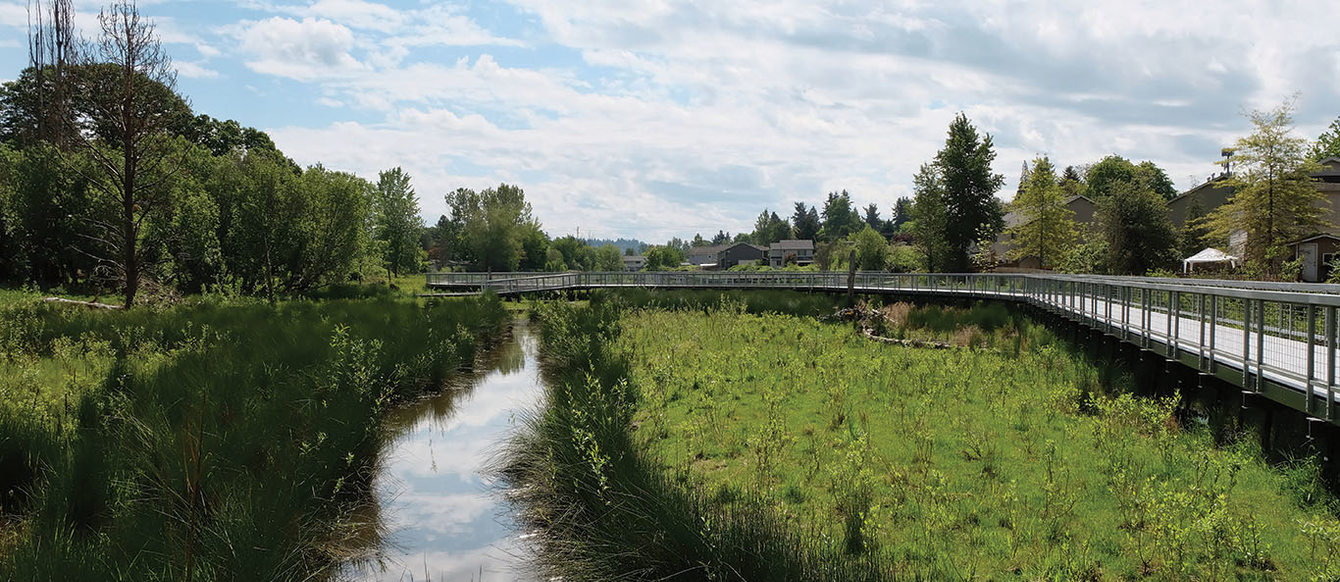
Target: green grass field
column 693, row 438
column 214, row 439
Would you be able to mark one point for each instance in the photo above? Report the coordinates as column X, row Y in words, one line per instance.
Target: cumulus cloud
column 656, row 119
column 306, row 49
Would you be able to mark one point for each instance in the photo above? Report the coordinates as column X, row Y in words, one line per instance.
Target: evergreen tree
column 902, row 213
column 806, row 222
column 1046, row 227
column 969, row 187
column 839, row 218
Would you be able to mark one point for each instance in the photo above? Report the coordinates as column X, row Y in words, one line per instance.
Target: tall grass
column 605, row 511
column 221, row 440
column 707, row 443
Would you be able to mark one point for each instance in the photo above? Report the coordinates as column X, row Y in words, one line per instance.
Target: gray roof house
column 701, row 256
column 740, row 253
column 800, row 252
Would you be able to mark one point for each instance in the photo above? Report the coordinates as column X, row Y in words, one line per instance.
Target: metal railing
column 1277, row 339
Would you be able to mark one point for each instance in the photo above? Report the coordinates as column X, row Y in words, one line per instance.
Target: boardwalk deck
column 1278, row 340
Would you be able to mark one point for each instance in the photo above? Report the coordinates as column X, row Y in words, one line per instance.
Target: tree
column 1156, row 179
column 576, row 253
column 396, row 221
column 770, row 228
column 1104, row 175
column 1195, row 235
column 968, row 189
column 130, row 106
column 608, row 258
column 1112, row 170
column 1072, row 183
column 902, row 212
column 698, row 241
column 929, row 218
column 1135, row 224
column 805, row 222
column 491, row 226
column 839, row 218
column 1327, row 144
column 663, row 258
column 872, row 250
column 721, row 238
column 1275, row 200
column 1046, row 227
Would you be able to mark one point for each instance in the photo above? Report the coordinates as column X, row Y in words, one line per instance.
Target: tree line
column 109, row 181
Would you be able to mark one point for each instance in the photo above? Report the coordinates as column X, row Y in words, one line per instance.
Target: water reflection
column 441, row 518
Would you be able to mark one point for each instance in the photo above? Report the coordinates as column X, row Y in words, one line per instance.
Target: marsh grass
column 707, row 442
column 213, row 440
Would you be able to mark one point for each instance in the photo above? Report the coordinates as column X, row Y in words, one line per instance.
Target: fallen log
column 88, row 304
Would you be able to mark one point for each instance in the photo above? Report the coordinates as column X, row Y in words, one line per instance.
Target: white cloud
column 194, row 70
column 306, row 49
column 683, row 117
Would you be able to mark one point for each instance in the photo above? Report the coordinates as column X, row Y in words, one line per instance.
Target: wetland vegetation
column 694, row 437
column 213, row 440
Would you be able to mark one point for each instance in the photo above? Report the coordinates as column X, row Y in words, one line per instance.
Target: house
column 704, row 256
column 1317, row 252
column 1084, row 210
column 634, row 262
column 1200, row 200
column 732, row 255
column 800, row 252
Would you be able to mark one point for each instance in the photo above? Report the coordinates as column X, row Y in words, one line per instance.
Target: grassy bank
column 711, row 443
column 212, row 440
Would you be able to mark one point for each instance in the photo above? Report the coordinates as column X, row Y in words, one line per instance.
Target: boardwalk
column 1274, row 339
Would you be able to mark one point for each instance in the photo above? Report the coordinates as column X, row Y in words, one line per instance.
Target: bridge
column 1277, row 340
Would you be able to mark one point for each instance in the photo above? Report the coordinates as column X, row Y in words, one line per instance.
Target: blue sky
column 660, row 118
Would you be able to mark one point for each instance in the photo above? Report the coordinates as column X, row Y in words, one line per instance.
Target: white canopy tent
column 1209, row 255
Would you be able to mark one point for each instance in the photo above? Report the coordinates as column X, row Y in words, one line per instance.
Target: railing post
column 1330, row 362
column 1311, row 353
column 1260, row 341
column 1246, row 342
column 1200, row 342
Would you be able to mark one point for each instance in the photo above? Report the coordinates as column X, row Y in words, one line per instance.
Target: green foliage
column 488, row 228
column 1046, row 228
column 608, row 258
column 1105, row 176
column 1089, row 257
column 233, row 439
column 1275, row 201
column 968, row 188
column 805, row 222
column 1327, row 144
column 872, row 250
column 930, row 219
column 396, row 222
column 1010, row 459
column 770, row 228
column 904, row 258
column 839, row 218
column 1136, row 227
column 663, row 258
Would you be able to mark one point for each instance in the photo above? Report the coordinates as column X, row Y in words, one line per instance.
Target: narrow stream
column 442, row 518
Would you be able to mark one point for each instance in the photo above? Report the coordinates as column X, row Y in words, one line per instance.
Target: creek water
column 441, row 516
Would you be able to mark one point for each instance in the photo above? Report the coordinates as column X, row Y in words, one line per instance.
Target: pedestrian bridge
column 1273, row 339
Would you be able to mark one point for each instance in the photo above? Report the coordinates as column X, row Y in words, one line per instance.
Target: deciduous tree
column 1046, row 227
column 1140, row 236
column 1275, row 200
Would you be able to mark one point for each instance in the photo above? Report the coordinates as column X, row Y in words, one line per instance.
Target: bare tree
column 52, row 48
column 129, row 106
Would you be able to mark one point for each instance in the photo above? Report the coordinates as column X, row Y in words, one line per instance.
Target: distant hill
column 623, row 243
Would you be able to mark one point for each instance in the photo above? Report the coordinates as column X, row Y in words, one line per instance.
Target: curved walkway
column 1274, row 339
